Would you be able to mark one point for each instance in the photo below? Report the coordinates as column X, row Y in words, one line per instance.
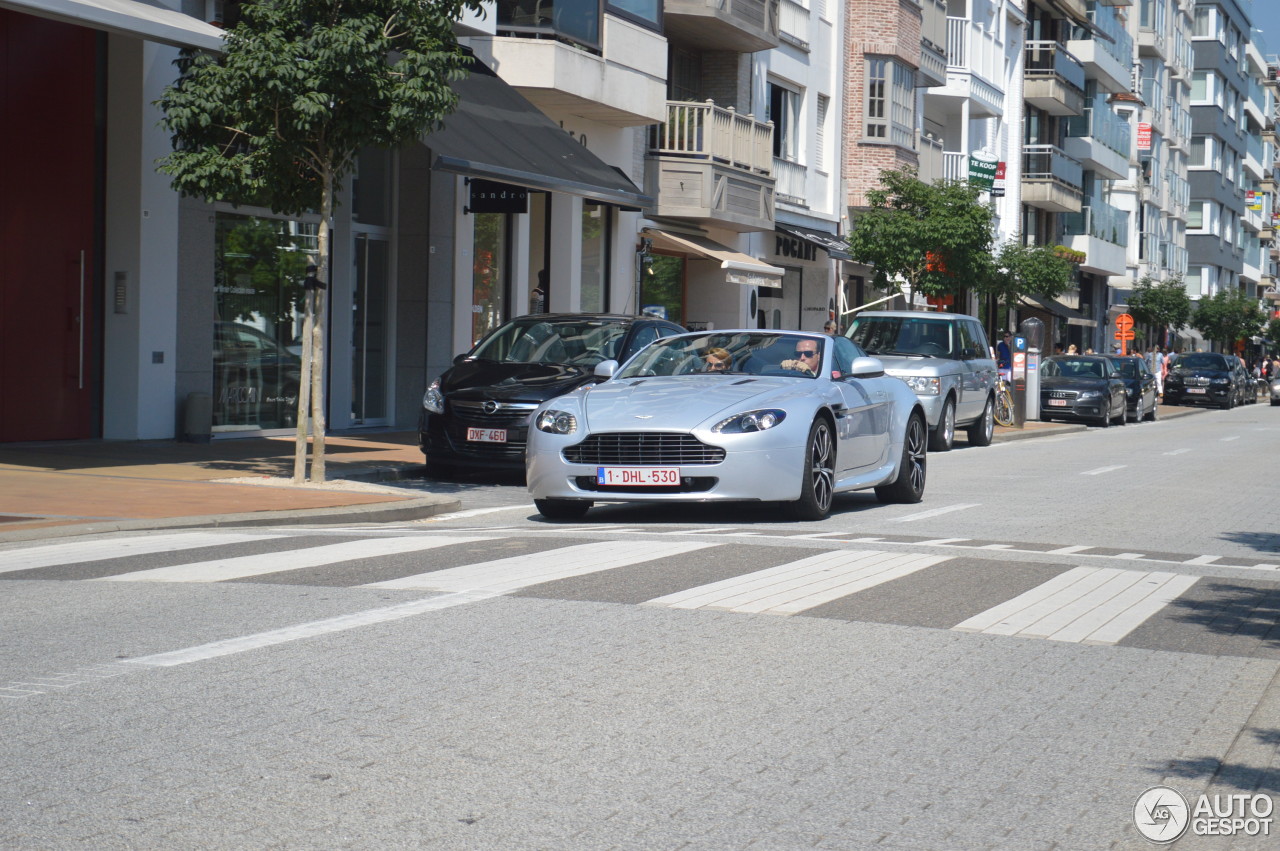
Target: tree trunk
column 304, row 390
column 317, row 330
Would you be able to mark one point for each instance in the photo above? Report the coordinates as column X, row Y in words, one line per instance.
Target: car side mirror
column 459, row 359
column 605, row 369
column 866, row 368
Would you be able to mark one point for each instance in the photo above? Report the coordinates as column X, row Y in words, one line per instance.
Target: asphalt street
column 1062, row 624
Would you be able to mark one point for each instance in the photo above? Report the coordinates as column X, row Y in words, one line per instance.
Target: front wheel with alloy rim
column 945, row 434
column 984, row 427
column 908, row 487
column 817, row 485
column 562, row 509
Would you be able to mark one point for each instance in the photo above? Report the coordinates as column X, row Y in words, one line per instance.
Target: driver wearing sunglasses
column 806, row 357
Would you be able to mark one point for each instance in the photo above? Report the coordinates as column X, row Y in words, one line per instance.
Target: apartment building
column 1270, row 186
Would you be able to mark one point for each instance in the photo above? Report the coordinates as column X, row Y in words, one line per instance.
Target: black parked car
column 1140, row 387
column 476, row 415
column 1202, row 378
column 1082, row 387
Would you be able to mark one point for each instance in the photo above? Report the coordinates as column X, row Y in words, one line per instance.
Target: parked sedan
column 1202, row 378
column 1082, row 387
column 731, row 416
column 1139, row 385
column 477, row 413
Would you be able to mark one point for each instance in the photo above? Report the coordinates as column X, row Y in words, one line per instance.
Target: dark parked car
column 1244, row 381
column 477, row 414
column 1202, row 378
column 1139, row 385
column 1082, row 387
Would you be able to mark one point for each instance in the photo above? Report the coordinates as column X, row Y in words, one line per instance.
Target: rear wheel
column 908, row 487
column 562, row 509
column 944, row 435
column 983, row 428
column 817, row 484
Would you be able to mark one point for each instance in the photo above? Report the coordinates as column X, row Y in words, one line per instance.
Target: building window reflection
column 573, row 21
column 489, row 273
column 596, row 230
column 259, row 267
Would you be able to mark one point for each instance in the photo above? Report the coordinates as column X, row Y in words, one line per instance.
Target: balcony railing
column 1045, row 58
column 790, row 181
column 1049, row 162
column 1101, row 221
column 972, row 49
column 793, row 22
column 1153, row 96
column 1121, row 45
column 955, row 166
column 1101, row 124
column 573, row 21
column 707, row 131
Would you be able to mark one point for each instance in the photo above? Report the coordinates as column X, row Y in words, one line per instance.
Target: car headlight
column 1220, row 381
column 750, row 421
column 433, row 399
column 1090, row 394
column 556, row 422
column 922, row 385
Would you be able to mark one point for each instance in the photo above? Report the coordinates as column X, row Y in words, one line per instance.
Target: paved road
column 1062, row 624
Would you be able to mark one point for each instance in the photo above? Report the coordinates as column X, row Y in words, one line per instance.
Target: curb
column 387, row 512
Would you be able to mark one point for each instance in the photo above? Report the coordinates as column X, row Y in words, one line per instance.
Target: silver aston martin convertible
column 720, row 416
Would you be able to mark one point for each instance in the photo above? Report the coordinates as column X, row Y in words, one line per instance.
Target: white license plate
column 643, row 476
column 1057, row 403
column 487, row 435
column 1197, row 390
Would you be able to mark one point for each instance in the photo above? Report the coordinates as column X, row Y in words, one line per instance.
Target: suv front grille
column 643, row 449
column 503, row 413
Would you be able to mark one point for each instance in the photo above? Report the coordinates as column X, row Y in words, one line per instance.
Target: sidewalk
column 53, row 490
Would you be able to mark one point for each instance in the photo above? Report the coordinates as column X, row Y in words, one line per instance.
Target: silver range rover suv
column 945, row 359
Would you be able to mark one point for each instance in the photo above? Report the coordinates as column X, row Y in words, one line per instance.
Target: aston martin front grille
column 643, row 449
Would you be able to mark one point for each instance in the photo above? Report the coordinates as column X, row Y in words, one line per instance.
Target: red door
column 48, row 268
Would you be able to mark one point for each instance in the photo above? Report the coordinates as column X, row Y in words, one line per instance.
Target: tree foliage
column 1164, row 304
column 1272, row 332
column 1227, row 316
column 278, row 118
column 1028, row 270
column 933, row 239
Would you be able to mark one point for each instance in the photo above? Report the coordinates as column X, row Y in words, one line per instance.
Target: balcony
column 1101, row 232
column 974, row 65
column 1051, row 179
column 933, row 44
column 738, row 26
column 1054, row 79
column 712, row 165
column 1100, row 140
column 1108, row 62
column 929, row 149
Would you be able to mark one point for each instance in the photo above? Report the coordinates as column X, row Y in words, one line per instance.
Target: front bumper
column 442, row 438
column 1211, row 395
column 1079, row 409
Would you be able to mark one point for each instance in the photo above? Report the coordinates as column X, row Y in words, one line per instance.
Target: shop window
column 259, row 267
column 662, row 285
column 596, row 230
column 489, row 273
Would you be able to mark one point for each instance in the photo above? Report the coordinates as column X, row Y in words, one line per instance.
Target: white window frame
column 889, row 103
column 786, row 127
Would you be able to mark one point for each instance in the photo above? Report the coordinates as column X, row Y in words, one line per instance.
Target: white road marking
column 307, row 630
column 257, row 565
column 1102, row 470
column 477, row 512
column 1177, row 452
column 996, row 547
column 77, row 552
column 1066, row 551
column 934, row 512
column 1128, row 556
column 936, row 542
column 1086, row 605
column 1228, row 439
column 799, row 585
column 511, row 574
column 1202, row 560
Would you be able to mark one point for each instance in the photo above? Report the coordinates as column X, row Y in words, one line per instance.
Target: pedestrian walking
column 1158, row 370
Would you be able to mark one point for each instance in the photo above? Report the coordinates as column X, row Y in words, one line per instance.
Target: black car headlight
column 1221, row 381
column 433, row 399
column 750, row 421
column 1090, row 394
column 556, row 422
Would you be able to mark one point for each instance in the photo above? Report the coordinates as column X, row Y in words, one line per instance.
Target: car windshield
column 1074, row 368
column 905, row 335
column 1128, row 367
column 1200, row 360
column 730, row 353
column 577, row 342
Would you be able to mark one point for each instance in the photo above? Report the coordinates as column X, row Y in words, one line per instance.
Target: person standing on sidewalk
column 1158, row 370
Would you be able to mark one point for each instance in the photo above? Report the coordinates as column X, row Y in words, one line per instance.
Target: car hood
column 918, row 365
column 1073, row 382
column 684, row 402
column 530, row 382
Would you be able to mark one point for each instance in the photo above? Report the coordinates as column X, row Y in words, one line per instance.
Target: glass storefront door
column 490, row 273
column 369, row 327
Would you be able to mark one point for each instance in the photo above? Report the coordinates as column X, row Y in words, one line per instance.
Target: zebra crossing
column 1061, row 602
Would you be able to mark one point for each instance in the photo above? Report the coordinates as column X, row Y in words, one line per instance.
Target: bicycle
column 1004, row 402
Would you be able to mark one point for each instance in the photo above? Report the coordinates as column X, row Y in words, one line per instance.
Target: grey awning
column 835, row 247
column 497, row 134
column 739, row 268
column 127, row 17
column 1057, row 308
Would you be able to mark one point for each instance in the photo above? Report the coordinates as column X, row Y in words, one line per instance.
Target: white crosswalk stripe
column 241, row 567
column 511, row 574
column 1088, row 605
column 76, row 552
column 799, row 585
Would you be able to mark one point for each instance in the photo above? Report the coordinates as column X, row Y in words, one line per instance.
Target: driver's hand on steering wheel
column 806, row 357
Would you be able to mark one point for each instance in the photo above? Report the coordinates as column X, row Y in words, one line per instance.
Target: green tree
column 1228, row 316
column 1272, row 332
column 278, row 118
column 1164, row 304
column 1027, row 270
column 925, row 238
